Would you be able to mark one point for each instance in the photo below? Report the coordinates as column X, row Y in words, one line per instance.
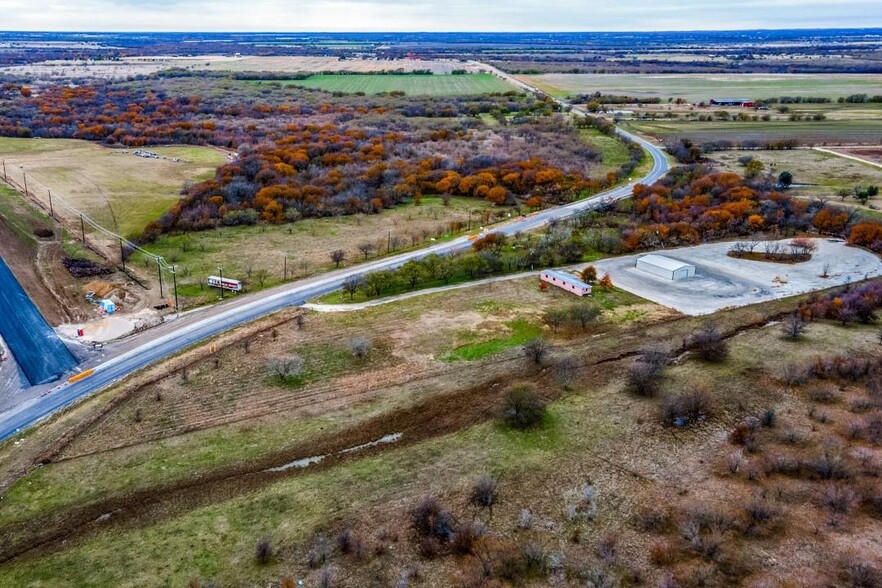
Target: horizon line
column 429, row 32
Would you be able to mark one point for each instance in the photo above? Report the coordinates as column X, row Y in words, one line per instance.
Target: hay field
column 698, row 87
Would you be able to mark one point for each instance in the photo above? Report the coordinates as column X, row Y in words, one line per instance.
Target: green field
column 820, row 132
column 412, row 85
column 698, row 87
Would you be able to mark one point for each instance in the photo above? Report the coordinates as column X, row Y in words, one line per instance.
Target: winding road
column 133, row 353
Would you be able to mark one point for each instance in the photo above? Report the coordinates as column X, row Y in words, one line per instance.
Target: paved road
column 36, row 347
column 141, row 350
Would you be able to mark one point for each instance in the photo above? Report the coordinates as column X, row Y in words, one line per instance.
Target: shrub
column 430, row 520
column 484, row 493
column 686, row 408
column 824, row 395
column 535, row 558
column 350, row 543
column 661, row 552
column 709, row 343
column 861, row 574
column 523, row 408
column 264, row 551
column 327, row 577
column 606, row 548
column 768, row 418
column 644, row 378
column 652, row 519
column 760, row 512
column 319, row 554
column 536, row 350
column 360, row 347
column 794, row 375
column 828, row 466
column 467, row 537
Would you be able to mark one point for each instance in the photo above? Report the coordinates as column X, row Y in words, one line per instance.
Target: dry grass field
column 247, row 252
column 703, row 87
column 829, row 172
column 146, row 65
column 119, row 190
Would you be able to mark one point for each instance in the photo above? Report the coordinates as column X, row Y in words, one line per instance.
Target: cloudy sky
column 433, row 15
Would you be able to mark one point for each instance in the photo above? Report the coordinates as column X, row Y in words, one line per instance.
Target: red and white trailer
column 225, row 283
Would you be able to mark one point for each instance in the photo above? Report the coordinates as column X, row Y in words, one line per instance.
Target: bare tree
column 360, row 347
column 825, row 270
column 536, row 350
column 285, row 367
column 337, row 256
column 351, row 284
column 366, row 249
column 793, row 327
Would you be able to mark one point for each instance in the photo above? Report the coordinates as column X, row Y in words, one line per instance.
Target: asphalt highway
column 136, row 352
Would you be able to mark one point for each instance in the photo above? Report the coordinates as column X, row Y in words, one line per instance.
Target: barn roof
column 664, row 262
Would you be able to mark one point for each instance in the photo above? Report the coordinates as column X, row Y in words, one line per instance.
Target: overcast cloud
column 429, row 15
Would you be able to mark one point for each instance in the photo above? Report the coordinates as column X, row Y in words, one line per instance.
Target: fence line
column 51, row 203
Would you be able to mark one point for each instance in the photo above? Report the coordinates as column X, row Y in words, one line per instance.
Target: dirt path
column 847, row 156
column 347, row 307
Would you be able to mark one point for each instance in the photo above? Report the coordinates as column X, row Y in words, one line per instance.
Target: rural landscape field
column 430, row 309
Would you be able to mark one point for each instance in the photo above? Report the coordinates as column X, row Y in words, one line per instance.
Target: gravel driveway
column 721, row 281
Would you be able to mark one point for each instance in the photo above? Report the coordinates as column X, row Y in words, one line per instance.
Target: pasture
column 703, row 87
column 252, row 253
column 121, row 191
column 411, row 85
column 830, row 173
column 831, row 131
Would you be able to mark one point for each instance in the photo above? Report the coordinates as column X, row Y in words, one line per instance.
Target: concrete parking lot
column 721, row 281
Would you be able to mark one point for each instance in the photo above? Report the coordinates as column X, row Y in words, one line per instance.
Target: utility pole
column 175, row 279
column 285, row 271
column 389, row 243
column 220, row 275
column 159, row 269
column 82, row 228
column 122, row 252
column 4, row 170
column 25, row 177
column 51, row 210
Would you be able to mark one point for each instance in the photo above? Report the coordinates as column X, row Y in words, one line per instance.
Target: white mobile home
column 665, row 267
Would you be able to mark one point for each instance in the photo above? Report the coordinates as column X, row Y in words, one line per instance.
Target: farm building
column 743, row 102
column 665, row 267
column 568, row 282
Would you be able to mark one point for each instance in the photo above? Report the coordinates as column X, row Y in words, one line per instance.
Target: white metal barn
column 665, row 267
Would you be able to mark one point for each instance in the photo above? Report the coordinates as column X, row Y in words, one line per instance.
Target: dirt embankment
column 34, row 265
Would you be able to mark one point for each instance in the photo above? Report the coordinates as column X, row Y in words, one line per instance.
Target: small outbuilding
column 566, row 281
column 665, row 267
